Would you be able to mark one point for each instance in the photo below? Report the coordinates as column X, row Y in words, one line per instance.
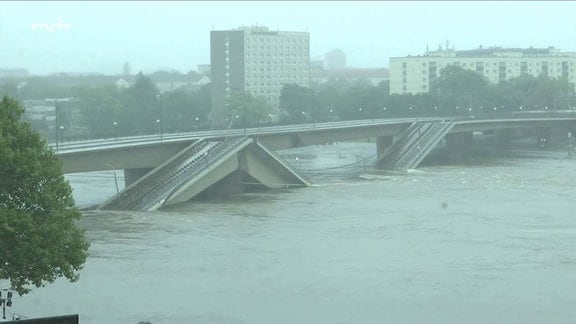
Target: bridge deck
column 200, row 166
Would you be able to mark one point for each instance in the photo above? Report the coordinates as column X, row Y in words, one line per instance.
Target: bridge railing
column 159, row 189
column 132, row 194
column 174, row 137
column 228, row 146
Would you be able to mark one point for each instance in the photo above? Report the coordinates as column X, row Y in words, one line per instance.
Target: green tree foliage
column 532, row 93
column 38, row 88
column 329, row 100
column 143, row 104
column 186, row 110
column 9, row 88
column 246, row 110
column 457, row 90
column 297, row 104
column 99, row 108
column 363, row 101
column 40, row 240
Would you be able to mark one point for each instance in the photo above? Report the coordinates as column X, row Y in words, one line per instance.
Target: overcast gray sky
column 101, row 36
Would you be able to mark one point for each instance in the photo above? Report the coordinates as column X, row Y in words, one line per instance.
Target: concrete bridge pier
column 543, row 135
column 229, row 185
column 505, row 136
column 382, row 143
column 459, row 142
column 132, row 175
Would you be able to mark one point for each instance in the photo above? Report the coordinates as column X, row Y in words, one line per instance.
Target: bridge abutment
column 132, row 175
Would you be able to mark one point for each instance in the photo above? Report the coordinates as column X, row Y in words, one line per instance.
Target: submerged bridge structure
column 236, row 161
column 177, row 167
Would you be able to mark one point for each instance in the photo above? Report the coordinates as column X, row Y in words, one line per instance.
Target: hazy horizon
column 99, row 37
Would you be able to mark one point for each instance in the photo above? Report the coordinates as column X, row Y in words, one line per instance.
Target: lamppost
column 115, row 124
column 115, row 178
column 61, row 133
column 57, row 124
column 5, row 302
column 159, row 123
column 159, row 120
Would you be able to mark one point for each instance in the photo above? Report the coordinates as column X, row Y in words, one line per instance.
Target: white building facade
column 258, row 61
column 414, row 74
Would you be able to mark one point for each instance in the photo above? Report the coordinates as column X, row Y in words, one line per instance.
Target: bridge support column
column 543, row 136
column 229, row 185
column 505, row 136
column 459, row 141
column 383, row 142
column 132, row 175
column 572, row 141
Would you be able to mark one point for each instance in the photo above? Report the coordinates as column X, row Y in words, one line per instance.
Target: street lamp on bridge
column 115, row 124
column 159, row 123
column 5, row 302
column 60, row 133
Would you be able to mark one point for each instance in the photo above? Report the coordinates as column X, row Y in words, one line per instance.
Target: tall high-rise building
column 414, row 74
column 335, row 59
column 258, row 61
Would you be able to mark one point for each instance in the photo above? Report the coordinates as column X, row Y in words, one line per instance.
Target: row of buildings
column 414, row 74
column 260, row 61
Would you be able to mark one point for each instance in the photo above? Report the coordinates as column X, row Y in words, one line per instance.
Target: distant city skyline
column 47, row 37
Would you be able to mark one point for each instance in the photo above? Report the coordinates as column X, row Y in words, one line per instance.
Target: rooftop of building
column 264, row 30
column 350, row 73
column 497, row 51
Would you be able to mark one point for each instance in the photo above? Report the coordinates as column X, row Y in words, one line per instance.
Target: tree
column 185, row 109
column 40, row 240
column 458, row 89
column 99, row 108
column 42, row 88
column 246, row 110
column 9, row 88
column 142, row 104
column 297, row 104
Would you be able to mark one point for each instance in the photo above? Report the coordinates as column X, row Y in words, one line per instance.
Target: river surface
column 486, row 241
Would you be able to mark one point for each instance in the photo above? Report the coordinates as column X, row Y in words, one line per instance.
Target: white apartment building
column 258, row 61
column 414, row 74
